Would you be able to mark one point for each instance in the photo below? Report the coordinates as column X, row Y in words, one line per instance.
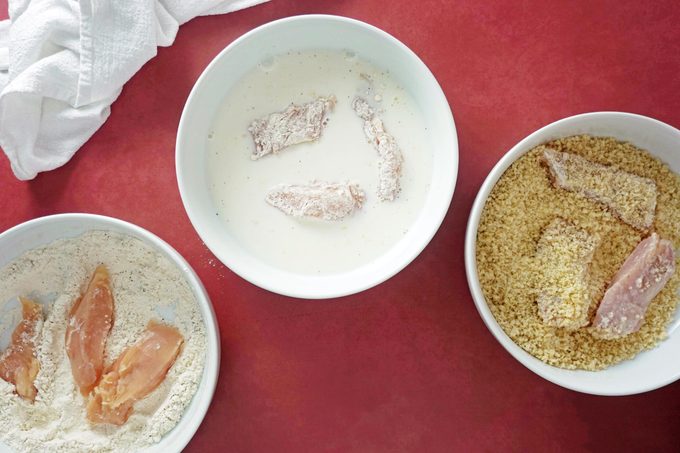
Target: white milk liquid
column 239, row 184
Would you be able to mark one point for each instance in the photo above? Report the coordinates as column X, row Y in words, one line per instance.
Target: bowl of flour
column 50, row 260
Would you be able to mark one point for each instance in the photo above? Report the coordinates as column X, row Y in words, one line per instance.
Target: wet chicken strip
column 563, row 257
column 390, row 158
column 641, row 277
column 89, row 323
column 136, row 373
column 18, row 364
column 297, row 124
column 631, row 198
column 321, row 200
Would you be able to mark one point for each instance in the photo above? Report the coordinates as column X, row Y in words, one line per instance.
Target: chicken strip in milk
column 297, row 124
column 389, row 154
column 321, row 200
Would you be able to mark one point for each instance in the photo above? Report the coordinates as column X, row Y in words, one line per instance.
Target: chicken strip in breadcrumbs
column 631, row 198
column 641, row 277
column 321, row 200
column 297, row 124
column 563, row 257
column 390, row 160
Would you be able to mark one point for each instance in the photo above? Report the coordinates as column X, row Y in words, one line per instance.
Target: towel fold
column 63, row 62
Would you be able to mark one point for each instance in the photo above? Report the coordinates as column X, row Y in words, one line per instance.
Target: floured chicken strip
column 641, row 277
column 297, row 124
column 390, row 158
column 631, row 198
column 137, row 372
column 563, row 258
column 321, row 200
column 89, row 323
column 18, row 364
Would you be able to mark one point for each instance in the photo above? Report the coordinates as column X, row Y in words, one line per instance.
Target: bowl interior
column 649, row 369
column 42, row 231
column 313, row 32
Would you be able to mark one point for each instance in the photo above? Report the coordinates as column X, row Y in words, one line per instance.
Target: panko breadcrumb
column 522, row 204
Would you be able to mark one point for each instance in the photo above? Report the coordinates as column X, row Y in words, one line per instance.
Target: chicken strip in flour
column 137, row 372
column 19, row 364
column 89, row 322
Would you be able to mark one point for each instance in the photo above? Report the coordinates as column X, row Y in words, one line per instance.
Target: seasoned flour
column 146, row 285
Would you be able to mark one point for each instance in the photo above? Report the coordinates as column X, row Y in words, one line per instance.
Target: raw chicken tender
column 641, row 277
column 322, row 200
column 297, row 124
column 631, row 198
column 18, row 364
column 136, row 373
column 563, row 257
column 89, row 323
column 390, row 158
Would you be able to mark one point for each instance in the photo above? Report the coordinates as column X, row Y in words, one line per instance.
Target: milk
column 239, row 184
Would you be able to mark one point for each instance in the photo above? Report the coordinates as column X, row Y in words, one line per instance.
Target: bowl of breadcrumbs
column 572, row 248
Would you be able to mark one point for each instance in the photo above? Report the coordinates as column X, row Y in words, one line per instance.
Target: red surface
column 408, row 365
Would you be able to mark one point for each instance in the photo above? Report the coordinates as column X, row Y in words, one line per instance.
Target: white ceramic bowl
column 44, row 230
column 648, row 370
column 313, row 32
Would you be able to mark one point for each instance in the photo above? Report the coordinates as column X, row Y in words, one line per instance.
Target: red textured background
column 408, row 365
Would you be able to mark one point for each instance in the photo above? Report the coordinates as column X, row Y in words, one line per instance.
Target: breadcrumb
column 519, row 207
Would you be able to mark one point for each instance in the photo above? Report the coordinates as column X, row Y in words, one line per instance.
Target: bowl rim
column 529, row 361
column 211, row 367
column 329, row 287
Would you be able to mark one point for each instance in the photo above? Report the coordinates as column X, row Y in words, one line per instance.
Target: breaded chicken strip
column 563, row 257
column 631, row 198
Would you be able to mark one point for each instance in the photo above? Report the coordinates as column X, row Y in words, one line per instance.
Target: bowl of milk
column 294, row 61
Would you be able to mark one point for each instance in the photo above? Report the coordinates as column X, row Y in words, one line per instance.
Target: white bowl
column 648, row 370
column 44, row 230
column 313, row 32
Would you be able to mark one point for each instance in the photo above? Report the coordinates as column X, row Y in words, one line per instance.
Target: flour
column 146, row 285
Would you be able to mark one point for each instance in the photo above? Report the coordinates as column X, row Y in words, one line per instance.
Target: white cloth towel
column 63, row 62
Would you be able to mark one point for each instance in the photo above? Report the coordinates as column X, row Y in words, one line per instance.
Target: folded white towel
column 63, row 62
